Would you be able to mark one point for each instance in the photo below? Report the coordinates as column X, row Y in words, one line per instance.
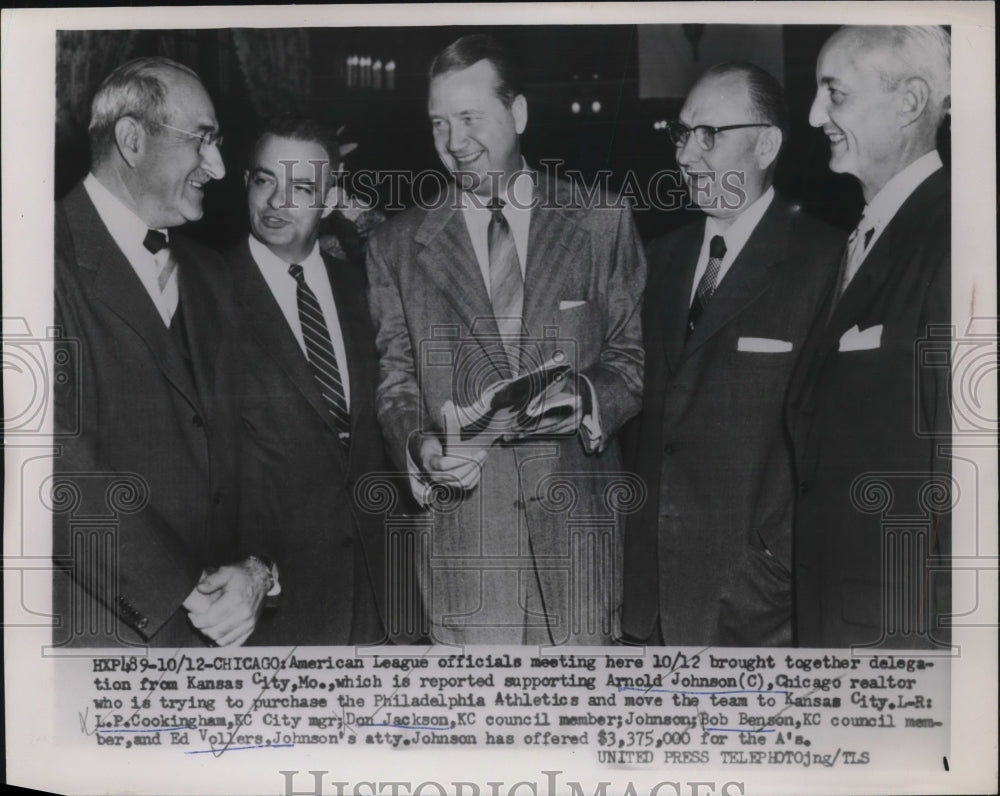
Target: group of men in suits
column 251, row 394
column 791, row 437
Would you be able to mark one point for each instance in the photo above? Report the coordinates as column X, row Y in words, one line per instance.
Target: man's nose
column 211, row 162
column 456, row 138
column 817, row 112
column 689, row 152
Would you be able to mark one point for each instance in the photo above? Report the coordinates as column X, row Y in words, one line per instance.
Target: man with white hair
column 869, row 415
column 140, row 495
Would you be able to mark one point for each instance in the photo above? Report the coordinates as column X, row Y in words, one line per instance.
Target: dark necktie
column 506, row 283
column 709, row 281
column 319, row 349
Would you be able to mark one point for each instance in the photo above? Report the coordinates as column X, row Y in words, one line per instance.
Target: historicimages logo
column 548, row 783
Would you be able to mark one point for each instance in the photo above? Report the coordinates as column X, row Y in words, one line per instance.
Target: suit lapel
column 556, row 245
column 200, row 317
column 352, row 312
column 117, row 286
column 864, row 288
column 747, row 277
column 673, row 294
column 449, row 261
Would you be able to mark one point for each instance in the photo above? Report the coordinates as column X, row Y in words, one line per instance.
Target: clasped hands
column 227, row 601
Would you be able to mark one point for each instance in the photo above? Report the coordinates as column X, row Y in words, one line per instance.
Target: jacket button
column 668, row 449
column 198, row 422
column 217, row 496
column 803, row 487
column 348, row 542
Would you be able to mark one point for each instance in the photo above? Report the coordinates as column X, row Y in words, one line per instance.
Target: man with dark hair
column 507, row 272
column 139, row 308
column 729, row 301
column 304, row 384
column 869, row 406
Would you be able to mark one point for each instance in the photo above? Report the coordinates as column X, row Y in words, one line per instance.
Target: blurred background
column 598, row 97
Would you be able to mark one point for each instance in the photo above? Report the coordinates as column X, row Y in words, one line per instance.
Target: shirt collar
column 737, row 233
column 267, row 259
column 127, row 229
column 520, row 193
column 881, row 209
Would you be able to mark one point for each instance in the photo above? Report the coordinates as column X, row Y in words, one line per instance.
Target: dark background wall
column 561, row 64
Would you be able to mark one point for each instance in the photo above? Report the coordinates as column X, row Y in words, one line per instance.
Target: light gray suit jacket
column 541, row 531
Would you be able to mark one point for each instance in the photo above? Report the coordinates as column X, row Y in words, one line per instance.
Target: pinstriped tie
column 506, row 282
column 322, row 360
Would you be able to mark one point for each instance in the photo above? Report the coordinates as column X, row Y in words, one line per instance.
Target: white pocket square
column 568, row 305
column 763, row 345
column 855, row 339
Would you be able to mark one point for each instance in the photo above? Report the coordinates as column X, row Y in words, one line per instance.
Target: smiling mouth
column 273, row 222
column 835, row 138
column 465, row 160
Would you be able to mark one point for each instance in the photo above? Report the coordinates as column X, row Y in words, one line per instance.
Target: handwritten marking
column 406, row 727
column 240, row 748
column 735, row 729
column 701, row 693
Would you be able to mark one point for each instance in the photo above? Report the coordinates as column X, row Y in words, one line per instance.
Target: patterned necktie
column 708, row 283
column 857, row 245
column 156, row 244
column 322, row 360
column 506, row 282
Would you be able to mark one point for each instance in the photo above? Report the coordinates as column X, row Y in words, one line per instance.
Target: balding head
column 137, row 89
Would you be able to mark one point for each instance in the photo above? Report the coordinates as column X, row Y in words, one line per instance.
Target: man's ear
column 768, row 146
column 519, row 110
column 914, row 96
column 246, row 178
column 130, row 138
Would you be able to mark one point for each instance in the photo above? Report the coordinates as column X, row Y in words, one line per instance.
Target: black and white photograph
column 494, row 400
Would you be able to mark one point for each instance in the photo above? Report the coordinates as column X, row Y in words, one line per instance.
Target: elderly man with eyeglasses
column 141, row 497
column 728, row 302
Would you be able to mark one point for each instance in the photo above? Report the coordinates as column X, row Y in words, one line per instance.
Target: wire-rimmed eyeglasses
column 205, row 139
column 704, row 134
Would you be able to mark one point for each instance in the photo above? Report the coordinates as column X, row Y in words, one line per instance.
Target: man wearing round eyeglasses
column 727, row 304
column 138, row 309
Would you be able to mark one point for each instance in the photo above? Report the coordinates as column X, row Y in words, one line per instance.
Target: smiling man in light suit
column 869, row 416
column 729, row 300
column 472, row 291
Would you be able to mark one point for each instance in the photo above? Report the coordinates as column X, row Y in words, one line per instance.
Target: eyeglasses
column 704, row 134
column 205, row 139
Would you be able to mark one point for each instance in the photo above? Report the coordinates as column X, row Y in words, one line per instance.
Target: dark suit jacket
column 867, row 426
column 710, row 551
column 139, row 502
column 297, row 482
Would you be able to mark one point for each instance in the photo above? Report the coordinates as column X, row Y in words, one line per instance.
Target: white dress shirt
column 517, row 211
column 129, row 231
column 283, row 287
column 886, row 203
column 735, row 235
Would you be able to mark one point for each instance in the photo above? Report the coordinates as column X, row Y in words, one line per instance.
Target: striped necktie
column 506, row 282
column 708, row 282
column 320, row 353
